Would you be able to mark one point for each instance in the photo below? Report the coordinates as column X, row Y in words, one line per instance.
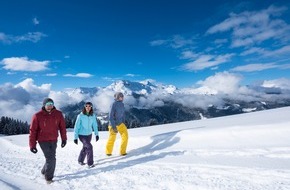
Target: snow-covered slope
column 245, row 151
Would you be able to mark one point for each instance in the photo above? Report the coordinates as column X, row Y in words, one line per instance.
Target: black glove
column 34, row 150
column 97, row 138
column 76, row 141
column 63, row 143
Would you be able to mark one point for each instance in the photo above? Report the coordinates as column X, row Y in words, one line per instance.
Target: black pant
column 49, row 151
column 87, row 150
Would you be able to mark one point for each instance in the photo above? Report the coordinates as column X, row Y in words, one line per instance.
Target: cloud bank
column 22, row 100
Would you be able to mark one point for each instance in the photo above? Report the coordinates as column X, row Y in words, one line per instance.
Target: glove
column 34, row 150
column 76, row 141
column 97, row 138
column 63, row 143
column 115, row 130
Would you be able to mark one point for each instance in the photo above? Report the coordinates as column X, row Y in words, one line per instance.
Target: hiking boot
column 81, row 163
column 49, row 181
column 109, row 154
column 91, row 166
column 123, row 154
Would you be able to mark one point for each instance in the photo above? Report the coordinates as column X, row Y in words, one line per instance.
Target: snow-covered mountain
column 129, row 88
column 150, row 103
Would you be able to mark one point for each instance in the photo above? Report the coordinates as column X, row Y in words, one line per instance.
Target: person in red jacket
column 44, row 129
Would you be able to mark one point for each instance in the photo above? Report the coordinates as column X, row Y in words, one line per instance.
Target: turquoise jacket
column 85, row 124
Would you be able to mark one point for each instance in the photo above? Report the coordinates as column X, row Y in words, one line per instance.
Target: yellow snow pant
column 122, row 129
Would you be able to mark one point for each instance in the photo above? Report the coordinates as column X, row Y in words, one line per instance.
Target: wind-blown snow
column 245, row 151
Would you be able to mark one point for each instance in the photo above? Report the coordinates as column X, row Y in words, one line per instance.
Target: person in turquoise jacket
column 85, row 123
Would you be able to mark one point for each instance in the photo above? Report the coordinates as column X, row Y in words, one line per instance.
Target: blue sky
column 91, row 43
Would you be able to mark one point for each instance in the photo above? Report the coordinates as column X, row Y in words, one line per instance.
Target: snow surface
column 246, row 151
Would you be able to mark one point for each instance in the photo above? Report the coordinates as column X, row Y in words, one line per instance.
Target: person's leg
column 49, row 151
column 111, row 141
column 82, row 154
column 88, row 148
column 124, row 138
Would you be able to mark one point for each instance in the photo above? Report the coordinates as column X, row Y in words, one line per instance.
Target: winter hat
column 88, row 103
column 118, row 95
column 47, row 100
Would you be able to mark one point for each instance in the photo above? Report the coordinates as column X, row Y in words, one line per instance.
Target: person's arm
column 112, row 116
column 95, row 125
column 76, row 128
column 62, row 128
column 33, row 132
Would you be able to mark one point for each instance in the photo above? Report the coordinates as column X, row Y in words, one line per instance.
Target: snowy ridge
column 146, row 87
column 245, row 151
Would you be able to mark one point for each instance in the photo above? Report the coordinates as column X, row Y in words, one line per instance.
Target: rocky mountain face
column 153, row 104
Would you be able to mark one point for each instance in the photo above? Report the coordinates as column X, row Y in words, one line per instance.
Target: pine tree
column 10, row 126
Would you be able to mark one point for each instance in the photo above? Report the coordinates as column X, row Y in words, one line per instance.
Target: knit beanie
column 47, row 100
column 118, row 95
column 89, row 103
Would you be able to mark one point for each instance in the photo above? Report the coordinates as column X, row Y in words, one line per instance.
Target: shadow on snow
column 150, row 152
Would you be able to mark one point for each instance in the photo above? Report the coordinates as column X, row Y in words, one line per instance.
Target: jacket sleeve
column 33, row 132
column 112, row 118
column 95, row 125
column 76, row 127
column 62, row 128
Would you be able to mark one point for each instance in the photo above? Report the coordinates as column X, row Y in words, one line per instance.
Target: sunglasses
column 49, row 104
column 88, row 106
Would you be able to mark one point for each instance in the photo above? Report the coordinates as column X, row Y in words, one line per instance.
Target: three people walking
column 49, row 122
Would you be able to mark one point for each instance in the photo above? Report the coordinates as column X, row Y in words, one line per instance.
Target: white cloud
column 62, row 98
column 282, row 83
column 255, row 67
column 19, row 111
column 29, row 86
column 51, row 74
column 249, row 28
column 4, row 38
column 103, row 100
column 285, row 50
column 196, row 101
column 131, row 75
column 24, row 64
column 176, row 41
column 224, row 82
column 206, row 61
column 80, row 75
column 22, row 100
column 281, row 52
column 221, row 41
column 189, row 55
column 154, row 43
column 30, row 36
column 26, row 97
column 260, row 67
column 35, row 21
column 253, row 50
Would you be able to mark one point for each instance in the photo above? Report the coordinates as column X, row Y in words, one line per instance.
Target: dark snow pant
column 87, row 150
column 49, row 150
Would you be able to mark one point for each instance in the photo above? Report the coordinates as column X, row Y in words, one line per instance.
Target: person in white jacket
column 85, row 123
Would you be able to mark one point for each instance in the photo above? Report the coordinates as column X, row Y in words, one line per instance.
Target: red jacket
column 44, row 127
